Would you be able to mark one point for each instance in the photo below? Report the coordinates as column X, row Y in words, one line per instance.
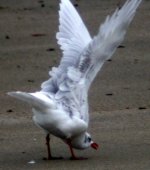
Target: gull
column 61, row 106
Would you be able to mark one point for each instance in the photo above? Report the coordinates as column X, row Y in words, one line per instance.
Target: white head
column 83, row 141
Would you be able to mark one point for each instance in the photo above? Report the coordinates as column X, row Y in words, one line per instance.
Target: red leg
column 73, row 157
column 50, row 157
column 71, row 149
column 48, row 147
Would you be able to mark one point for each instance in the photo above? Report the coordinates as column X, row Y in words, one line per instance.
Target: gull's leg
column 73, row 156
column 50, row 157
column 71, row 149
column 48, row 147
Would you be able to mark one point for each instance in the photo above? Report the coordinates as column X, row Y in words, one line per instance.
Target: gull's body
column 61, row 107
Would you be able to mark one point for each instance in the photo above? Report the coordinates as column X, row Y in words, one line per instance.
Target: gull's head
column 84, row 141
column 89, row 142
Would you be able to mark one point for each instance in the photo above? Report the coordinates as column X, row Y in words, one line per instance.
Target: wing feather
column 72, row 37
column 110, row 36
column 82, row 56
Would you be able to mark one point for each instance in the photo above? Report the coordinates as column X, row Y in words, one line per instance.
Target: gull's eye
column 89, row 139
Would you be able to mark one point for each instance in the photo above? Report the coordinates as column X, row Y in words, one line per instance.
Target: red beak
column 94, row 146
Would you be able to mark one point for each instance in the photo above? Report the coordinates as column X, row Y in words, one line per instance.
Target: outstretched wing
column 72, row 37
column 83, row 57
column 110, row 36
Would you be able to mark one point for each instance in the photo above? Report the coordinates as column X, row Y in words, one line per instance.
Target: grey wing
column 110, row 36
column 83, row 57
column 72, row 37
column 100, row 49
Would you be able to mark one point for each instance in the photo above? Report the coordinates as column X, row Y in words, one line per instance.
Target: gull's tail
column 36, row 100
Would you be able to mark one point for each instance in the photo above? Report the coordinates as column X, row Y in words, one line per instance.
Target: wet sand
column 119, row 97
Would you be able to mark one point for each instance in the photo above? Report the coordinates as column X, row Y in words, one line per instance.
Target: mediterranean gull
column 61, row 106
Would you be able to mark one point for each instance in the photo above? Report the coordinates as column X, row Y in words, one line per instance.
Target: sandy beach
column 119, row 97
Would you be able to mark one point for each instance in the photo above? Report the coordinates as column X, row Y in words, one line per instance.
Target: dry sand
column 119, row 97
